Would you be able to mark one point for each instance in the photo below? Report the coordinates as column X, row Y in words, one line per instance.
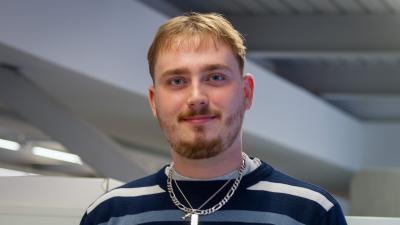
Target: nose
column 198, row 98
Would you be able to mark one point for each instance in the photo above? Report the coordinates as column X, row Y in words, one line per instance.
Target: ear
column 248, row 88
column 151, row 99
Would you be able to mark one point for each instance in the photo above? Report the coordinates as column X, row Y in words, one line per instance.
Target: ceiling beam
column 79, row 137
column 163, row 7
column 370, row 107
column 361, row 77
column 320, row 34
column 393, row 98
column 323, row 54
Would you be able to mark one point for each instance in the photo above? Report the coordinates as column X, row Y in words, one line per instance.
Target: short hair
column 200, row 25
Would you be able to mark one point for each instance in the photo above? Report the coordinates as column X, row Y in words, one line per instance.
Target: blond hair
column 200, row 26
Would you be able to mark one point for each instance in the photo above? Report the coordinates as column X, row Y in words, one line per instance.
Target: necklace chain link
column 199, row 211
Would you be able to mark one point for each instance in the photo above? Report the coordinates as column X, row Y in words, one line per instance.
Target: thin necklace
column 194, row 213
column 208, row 200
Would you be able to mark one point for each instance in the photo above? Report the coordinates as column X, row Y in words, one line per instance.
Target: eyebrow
column 212, row 67
column 176, row 71
column 184, row 70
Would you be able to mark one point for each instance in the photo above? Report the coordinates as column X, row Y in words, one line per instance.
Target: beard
column 201, row 147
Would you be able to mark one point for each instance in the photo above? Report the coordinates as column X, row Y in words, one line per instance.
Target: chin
column 199, row 148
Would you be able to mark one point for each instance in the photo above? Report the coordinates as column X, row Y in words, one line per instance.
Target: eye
column 217, row 77
column 177, row 81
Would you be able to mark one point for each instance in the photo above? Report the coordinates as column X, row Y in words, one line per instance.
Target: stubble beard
column 201, row 147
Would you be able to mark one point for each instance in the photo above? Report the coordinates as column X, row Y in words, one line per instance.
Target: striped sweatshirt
column 264, row 196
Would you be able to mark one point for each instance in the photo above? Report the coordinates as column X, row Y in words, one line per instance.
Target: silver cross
column 194, row 219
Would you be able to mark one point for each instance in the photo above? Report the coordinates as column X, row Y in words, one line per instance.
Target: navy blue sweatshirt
column 264, row 196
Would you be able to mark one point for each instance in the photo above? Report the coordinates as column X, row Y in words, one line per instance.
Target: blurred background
column 74, row 79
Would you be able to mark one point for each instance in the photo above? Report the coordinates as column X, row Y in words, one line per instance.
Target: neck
column 219, row 165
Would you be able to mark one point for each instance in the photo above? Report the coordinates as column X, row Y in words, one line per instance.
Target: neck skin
column 219, row 165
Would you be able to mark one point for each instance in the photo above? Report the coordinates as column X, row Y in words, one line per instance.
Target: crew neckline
column 261, row 172
column 251, row 165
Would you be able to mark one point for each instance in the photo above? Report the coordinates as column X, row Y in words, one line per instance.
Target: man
column 199, row 96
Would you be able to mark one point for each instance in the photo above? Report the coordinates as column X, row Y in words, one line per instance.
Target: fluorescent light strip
column 53, row 154
column 13, row 173
column 9, row 145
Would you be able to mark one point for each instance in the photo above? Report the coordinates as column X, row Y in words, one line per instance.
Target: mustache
column 205, row 111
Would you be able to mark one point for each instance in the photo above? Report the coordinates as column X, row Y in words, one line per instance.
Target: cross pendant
column 194, row 219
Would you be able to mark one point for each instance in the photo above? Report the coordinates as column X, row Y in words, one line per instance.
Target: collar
column 251, row 165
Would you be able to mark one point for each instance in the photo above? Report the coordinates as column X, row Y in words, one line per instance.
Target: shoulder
column 296, row 198
column 287, row 186
column 114, row 202
column 282, row 183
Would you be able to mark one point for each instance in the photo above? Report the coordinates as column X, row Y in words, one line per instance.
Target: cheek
column 229, row 101
column 169, row 103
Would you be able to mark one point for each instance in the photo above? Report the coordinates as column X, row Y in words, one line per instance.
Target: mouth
column 199, row 120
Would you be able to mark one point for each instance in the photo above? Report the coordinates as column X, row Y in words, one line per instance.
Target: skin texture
column 199, row 98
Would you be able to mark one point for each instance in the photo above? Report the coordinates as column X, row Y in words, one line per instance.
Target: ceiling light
column 9, row 145
column 13, row 173
column 53, row 154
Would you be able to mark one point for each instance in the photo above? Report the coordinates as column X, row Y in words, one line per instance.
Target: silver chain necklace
column 194, row 213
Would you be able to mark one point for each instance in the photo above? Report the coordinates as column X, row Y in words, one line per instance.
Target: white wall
column 376, row 193
column 381, row 145
column 38, row 200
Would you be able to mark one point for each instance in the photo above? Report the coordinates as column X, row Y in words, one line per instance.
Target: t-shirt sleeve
column 333, row 217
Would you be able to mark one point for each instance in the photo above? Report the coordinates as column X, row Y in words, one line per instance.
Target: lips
column 201, row 119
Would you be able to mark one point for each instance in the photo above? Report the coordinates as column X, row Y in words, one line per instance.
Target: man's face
column 199, row 98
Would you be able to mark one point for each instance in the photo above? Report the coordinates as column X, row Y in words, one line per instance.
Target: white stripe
column 126, row 192
column 293, row 190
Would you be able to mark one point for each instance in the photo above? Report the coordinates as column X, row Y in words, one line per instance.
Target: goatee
column 201, row 147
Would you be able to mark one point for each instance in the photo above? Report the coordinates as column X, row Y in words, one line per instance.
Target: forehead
column 188, row 42
column 194, row 50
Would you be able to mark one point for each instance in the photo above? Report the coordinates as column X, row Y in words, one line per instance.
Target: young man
column 199, row 96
